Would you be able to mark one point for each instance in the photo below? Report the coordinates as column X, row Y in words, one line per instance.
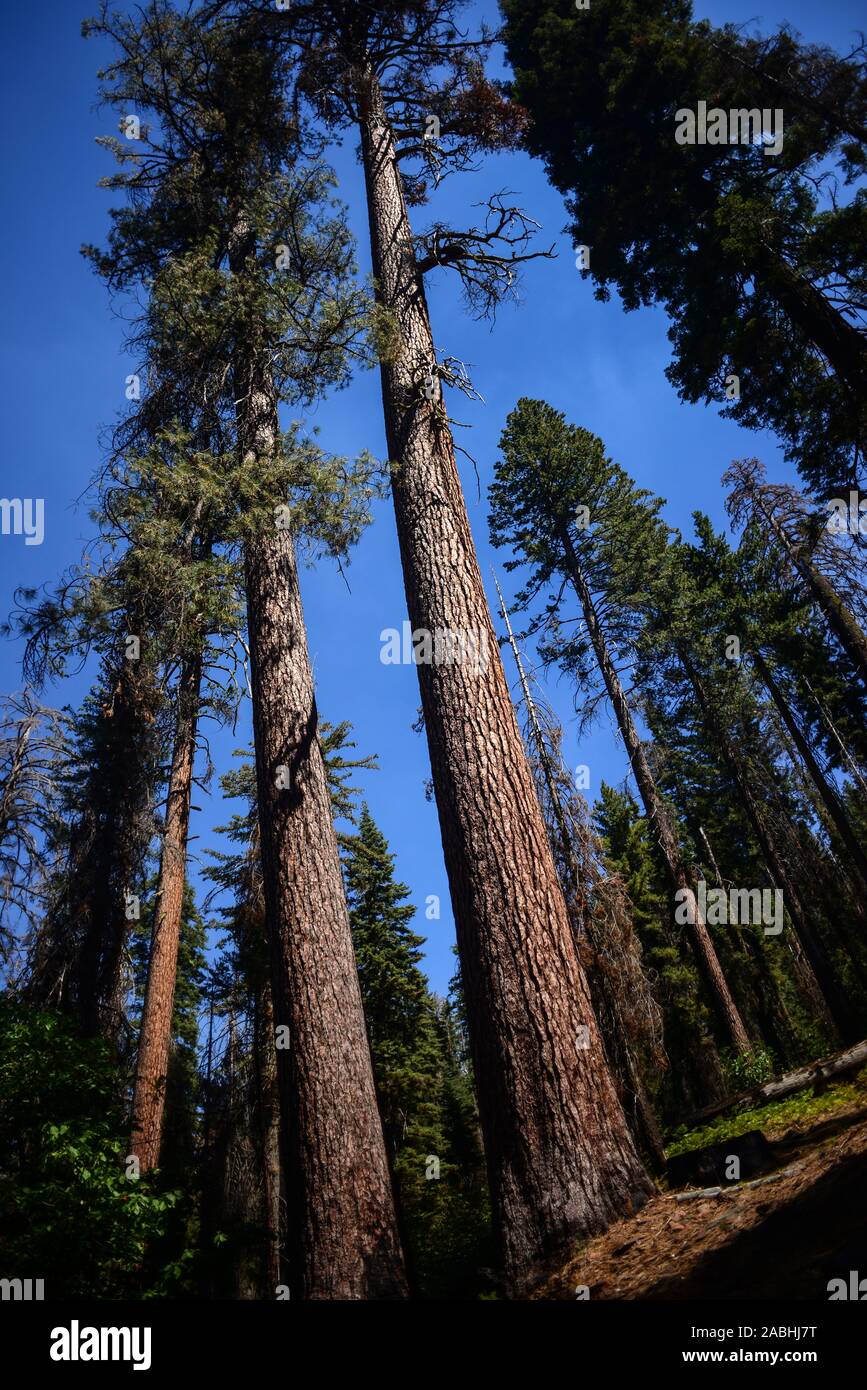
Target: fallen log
column 817, row 1074
column 694, row 1193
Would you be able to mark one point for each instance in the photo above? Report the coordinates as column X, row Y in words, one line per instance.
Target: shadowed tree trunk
column 268, row 1111
column 830, row 800
column 838, row 616
column 821, row 978
column 560, row 1159
column 820, row 321
column 113, row 836
column 657, row 816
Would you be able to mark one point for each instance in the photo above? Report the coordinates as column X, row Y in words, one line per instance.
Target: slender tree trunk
column 828, row 795
column 268, row 1109
column 772, row 1015
column 851, row 763
column 839, row 618
column 825, row 326
column 560, row 1159
column 156, row 1022
column 678, row 878
column 344, row 1241
column 826, row 989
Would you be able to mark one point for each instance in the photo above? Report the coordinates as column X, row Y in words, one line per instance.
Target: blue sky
column 62, row 372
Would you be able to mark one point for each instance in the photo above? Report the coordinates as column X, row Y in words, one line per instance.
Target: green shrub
column 68, row 1211
column 743, row 1070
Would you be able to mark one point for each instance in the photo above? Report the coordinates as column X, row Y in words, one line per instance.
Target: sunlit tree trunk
column 560, row 1159
column 155, row 1033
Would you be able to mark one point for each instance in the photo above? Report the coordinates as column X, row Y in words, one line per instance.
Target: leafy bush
column 743, row 1070
column 68, row 1212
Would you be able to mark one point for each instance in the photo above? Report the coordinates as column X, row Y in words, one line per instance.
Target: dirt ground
column 784, row 1238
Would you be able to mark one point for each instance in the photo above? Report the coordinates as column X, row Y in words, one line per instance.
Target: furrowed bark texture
column 268, row 1113
column 341, row 1220
column 621, row 1060
column 560, row 1159
column 156, row 1023
column 343, row 1234
column 678, row 880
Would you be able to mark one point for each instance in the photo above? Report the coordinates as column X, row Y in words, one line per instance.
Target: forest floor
column 780, row 1238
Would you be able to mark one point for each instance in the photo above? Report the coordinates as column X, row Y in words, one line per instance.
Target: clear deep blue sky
column 62, row 372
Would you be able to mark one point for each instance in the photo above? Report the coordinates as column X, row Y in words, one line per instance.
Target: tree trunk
column 827, row 989
column 560, row 1159
column 848, row 930
column 826, row 327
column 841, row 621
column 657, row 816
column 607, row 1007
column 155, row 1035
column 816, row 1074
column 828, row 795
column 268, row 1111
column 342, row 1223
column 344, row 1241
column 114, row 842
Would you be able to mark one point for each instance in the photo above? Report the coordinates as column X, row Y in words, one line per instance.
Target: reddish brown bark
column 343, row 1236
column 341, row 1217
column 624, row 1068
column 560, row 1159
column 155, row 1035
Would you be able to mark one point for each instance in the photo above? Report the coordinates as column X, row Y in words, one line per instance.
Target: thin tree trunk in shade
column 822, row 323
column 838, row 616
column 678, row 880
column 830, row 800
column 268, row 1112
column 820, row 976
column 106, row 874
